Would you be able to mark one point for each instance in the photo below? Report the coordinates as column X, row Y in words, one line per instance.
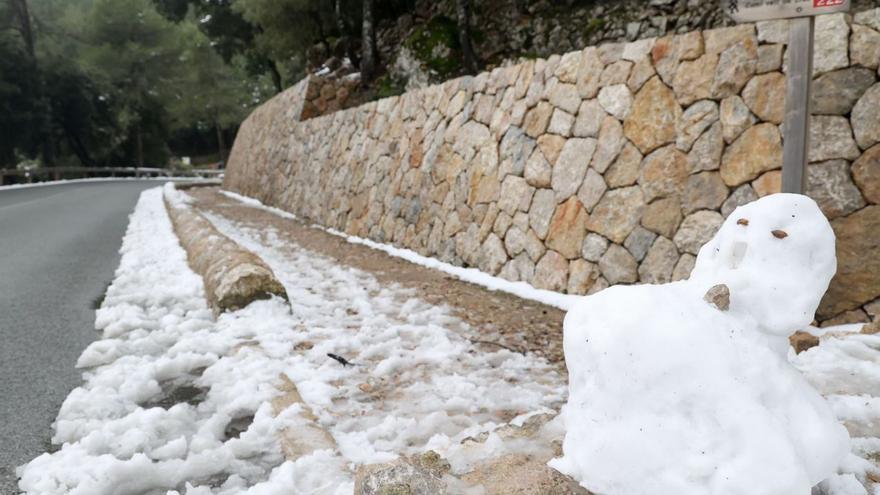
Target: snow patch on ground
column 472, row 275
column 176, row 402
column 844, row 368
column 163, row 384
column 427, row 383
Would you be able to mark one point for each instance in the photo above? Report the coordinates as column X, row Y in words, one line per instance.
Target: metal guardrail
column 57, row 173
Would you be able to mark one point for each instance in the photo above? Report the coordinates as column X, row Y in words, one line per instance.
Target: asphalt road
column 58, row 251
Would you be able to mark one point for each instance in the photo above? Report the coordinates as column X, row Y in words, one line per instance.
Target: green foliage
column 209, row 92
column 593, row 26
column 386, row 87
column 174, row 10
column 436, row 45
column 20, row 100
column 86, row 130
column 116, row 80
column 101, row 82
column 287, row 29
column 231, row 35
column 130, row 51
column 132, row 54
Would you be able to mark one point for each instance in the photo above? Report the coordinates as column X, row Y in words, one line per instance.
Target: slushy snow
column 523, row 290
column 669, row 394
column 175, row 401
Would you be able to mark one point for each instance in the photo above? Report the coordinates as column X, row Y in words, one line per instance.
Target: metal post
column 795, row 155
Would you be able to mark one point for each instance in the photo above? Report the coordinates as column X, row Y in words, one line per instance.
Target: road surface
column 58, row 252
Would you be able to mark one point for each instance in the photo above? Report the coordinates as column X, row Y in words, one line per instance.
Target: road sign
column 796, row 133
column 765, row 10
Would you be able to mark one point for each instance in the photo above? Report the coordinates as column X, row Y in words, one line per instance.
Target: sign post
column 796, row 133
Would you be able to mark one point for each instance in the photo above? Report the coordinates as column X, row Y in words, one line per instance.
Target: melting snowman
column 684, row 388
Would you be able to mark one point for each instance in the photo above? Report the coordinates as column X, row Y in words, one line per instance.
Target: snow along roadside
column 471, row 275
column 166, row 385
column 418, row 382
column 176, row 401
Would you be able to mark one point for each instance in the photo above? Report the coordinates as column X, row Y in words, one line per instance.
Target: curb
column 303, row 435
column 233, row 276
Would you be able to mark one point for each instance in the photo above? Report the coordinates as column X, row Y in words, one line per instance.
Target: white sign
column 765, row 10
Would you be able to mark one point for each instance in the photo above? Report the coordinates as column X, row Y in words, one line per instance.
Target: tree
column 132, row 52
column 209, row 95
column 84, row 127
column 368, row 43
column 104, row 82
column 463, row 18
column 20, row 11
column 286, row 29
column 231, row 35
column 344, row 30
column 22, row 105
column 83, row 124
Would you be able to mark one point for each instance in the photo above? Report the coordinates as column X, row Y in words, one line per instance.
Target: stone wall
column 609, row 165
column 312, row 97
column 328, row 94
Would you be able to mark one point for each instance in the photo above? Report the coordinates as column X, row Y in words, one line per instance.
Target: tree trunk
column 139, row 137
column 276, row 76
column 340, row 20
column 343, row 28
column 221, row 143
column 463, row 15
column 78, row 147
column 22, row 14
column 315, row 16
column 48, row 146
column 271, row 65
column 20, row 8
column 368, row 44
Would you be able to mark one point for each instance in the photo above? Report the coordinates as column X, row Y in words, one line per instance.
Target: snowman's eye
column 743, row 221
column 779, row 234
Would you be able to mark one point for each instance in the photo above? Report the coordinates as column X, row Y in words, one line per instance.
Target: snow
column 667, row 394
column 418, row 381
column 256, row 203
column 444, row 387
column 670, row 395
column 471, row 275
column 157, row 336
column 830, row 367
column 847, row 370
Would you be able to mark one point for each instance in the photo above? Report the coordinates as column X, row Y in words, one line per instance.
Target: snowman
column 685, row 388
